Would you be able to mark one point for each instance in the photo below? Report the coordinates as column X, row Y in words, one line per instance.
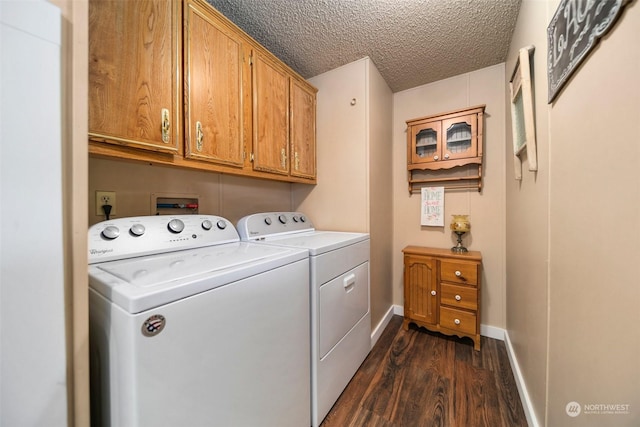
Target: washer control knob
column 295, row 218
column 302, row 218
column 111, row 232
column 267, row 221
column 221, row 224
column 282, row 219
column 206, row 224
column 137, row 230
column 175, row 226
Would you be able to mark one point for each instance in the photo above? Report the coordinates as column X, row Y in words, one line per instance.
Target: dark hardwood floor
column 419, row 378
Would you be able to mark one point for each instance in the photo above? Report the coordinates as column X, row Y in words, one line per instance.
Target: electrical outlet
column 105, row 198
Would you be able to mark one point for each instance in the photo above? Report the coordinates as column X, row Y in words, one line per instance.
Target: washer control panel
column 136, row 236
column 262, row 225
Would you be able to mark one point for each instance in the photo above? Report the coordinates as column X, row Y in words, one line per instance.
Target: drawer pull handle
column 458, row 297
column 433, row 293
column 458, row 273
column 349, row 282
column 457, row 321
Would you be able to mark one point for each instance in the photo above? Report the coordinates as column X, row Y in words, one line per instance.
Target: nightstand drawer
column 458, row 320
column 459, row 272
column 459, row 296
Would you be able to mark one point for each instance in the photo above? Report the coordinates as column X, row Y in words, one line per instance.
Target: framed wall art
column 574, row 30
column 522, row 115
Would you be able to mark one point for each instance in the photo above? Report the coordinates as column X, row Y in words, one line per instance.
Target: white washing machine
column 191, row 327
column 340, row 314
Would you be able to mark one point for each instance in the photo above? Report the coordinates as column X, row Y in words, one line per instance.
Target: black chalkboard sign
column 573, row 32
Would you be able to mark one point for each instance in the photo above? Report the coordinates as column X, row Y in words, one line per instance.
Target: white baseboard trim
column 490, row 332
column 522, row 388
column 379, row 329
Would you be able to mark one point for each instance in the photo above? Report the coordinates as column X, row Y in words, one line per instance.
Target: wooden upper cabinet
column 134, row 73
column 303, row 129
column 270, row 116
column 213, row 89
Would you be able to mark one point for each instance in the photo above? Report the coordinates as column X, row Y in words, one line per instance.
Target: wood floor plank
column 420, row 378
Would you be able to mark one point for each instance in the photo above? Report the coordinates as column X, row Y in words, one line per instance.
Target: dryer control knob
column 111, row 232
column 302, row 218
column 282, row 219
column 267, row 221
column 206, row 224
column 175, row 226
column 137, row 230
column 221, row 225
column 295, row 218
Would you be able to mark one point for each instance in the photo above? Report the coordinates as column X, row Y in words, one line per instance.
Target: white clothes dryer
column 340, row 309
column 191, row 327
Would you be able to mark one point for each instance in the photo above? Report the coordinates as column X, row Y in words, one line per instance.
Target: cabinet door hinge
column 251, row 157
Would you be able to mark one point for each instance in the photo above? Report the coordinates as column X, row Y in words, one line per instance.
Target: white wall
column 33, row 390
column 486, row 209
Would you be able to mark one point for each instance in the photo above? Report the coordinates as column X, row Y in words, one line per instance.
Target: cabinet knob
column 436, row 157
column 458, row 273
column 457, row 321
column 433, row 293
column 446, row 156
column 458, row 297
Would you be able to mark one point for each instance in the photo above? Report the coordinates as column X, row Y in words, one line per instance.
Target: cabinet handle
column 458, row 273
column 458, row 297
column 446, row 156
column 436, row 157
column 456, row 321
column 283, row 158
column 199, row 136
column 296, row 161
column 433, row 293
column 166, row 125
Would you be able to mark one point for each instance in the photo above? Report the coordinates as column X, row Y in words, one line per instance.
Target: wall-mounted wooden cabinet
column 213, row 87
column 135, row 90
column 442, row 291
column 238, row 110
column 445, row 141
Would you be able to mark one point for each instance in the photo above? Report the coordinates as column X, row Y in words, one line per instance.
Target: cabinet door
column 460, row 137
column 425, row 142
column 270, row 116
column 303, row 130
column 420, row 289
column 134, row 73
column 213, row 89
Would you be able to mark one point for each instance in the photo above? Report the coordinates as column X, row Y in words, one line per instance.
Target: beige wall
column 527, row 226
column 354, row 167
column 572, row 287
column 486, row 209
column 225, row 195
column 75, row 61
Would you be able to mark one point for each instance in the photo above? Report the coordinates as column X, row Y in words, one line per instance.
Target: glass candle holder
column 459, row 225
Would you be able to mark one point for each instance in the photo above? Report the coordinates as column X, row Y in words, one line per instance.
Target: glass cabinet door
column 459, row 137
column 427, row 142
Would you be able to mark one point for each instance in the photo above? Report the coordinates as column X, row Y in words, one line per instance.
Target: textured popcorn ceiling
column 411, row 42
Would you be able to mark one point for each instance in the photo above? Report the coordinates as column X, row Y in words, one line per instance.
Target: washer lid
column 138, row 284
column 317, row 242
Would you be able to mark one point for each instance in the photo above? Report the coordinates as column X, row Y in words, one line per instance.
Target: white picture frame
column 522, row 115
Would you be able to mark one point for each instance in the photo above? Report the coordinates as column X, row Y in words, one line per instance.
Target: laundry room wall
column 486, row 209
column 229, row 196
